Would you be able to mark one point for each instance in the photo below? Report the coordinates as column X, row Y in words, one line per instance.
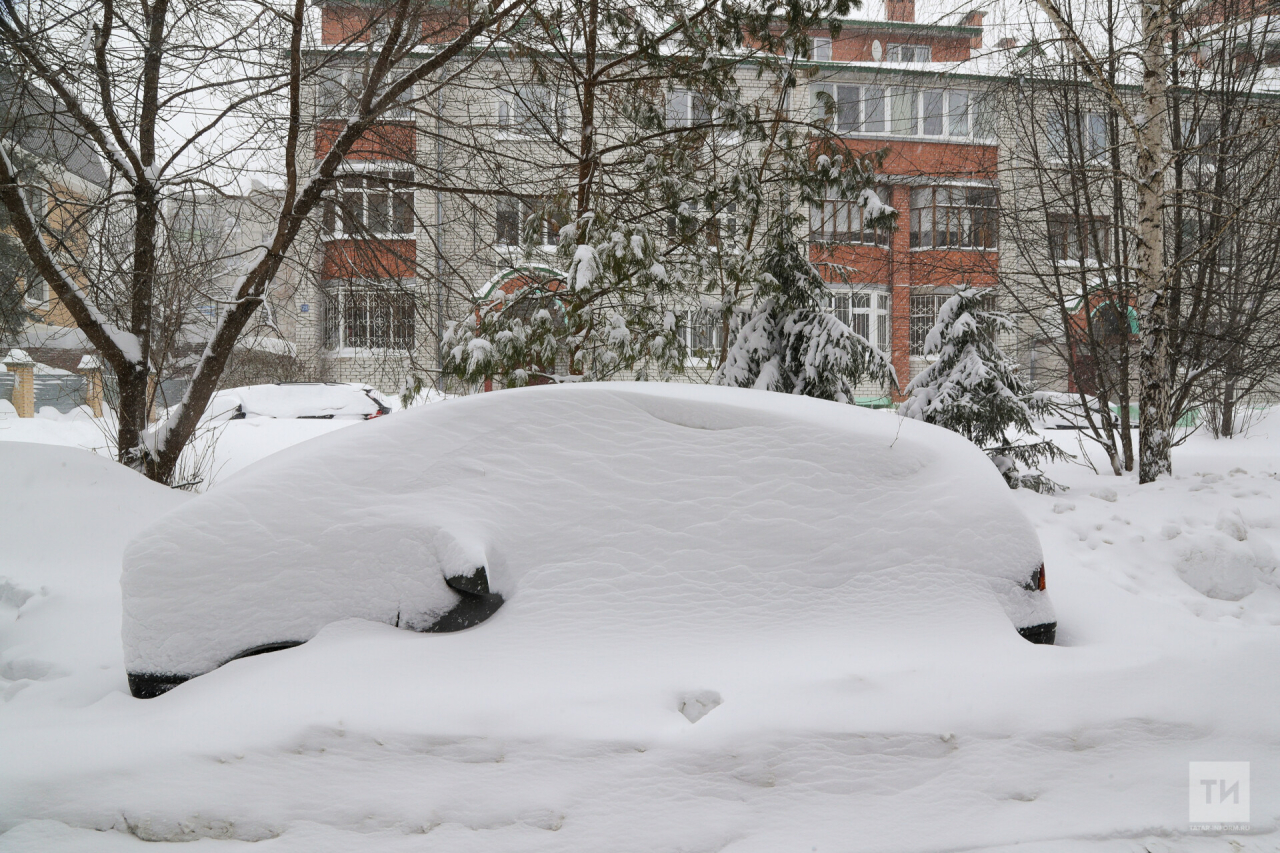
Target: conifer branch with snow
column 974, row 389
column 787, row 340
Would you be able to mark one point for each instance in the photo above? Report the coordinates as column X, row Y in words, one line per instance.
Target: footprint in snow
column 698, row 704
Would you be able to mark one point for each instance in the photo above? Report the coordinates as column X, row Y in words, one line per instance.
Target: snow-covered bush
column 974, row 389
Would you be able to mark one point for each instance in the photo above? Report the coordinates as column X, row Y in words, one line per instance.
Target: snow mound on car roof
column 615, row 516
column 298, row 400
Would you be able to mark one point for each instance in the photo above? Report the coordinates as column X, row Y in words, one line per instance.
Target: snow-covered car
column 320, row 400
column 608, row 520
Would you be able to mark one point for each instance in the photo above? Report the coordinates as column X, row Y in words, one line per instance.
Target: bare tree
column 1133, row 176
column 185, row 94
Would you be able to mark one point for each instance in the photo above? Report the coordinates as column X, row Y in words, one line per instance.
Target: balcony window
column 339, row 90
column 901, row 110
column 844, row 221
column 909, row 53
column 954, row 218
column 370, row 204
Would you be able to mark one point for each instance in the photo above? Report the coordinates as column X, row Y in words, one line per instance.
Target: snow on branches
column 974, row 389
column 787, row 341
column 607, row 313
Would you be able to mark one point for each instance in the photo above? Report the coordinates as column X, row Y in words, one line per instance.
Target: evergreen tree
column 787, row 340
column 605, row 315
column 974, row 389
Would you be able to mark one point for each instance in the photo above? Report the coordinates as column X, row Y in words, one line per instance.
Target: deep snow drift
column 630, row 520
column 973, row 741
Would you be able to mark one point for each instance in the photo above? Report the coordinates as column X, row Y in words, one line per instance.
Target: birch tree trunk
column 1155, row 434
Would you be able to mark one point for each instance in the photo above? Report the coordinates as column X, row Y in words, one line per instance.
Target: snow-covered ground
column 219, row 449
column 950, row 744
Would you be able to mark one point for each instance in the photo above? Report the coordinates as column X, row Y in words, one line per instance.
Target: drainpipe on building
column 440, row 237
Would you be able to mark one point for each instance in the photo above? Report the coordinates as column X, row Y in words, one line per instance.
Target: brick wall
column 384, row 141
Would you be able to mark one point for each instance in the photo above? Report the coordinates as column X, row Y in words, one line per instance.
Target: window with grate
column 924, row 314
column 865, row 312
column 701, row 332
column 954, row 218
column 368, row 317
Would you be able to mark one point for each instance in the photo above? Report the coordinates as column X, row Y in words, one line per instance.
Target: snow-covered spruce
column 787, row 341
column 974, row 389
column 607, row 313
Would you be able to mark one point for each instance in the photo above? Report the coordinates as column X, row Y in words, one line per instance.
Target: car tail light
column 376, row 414
column 1035, row 583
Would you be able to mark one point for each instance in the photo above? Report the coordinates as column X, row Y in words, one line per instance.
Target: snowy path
column 985, row 745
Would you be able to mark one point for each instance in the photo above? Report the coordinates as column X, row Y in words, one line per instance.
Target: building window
column 513, row 214
column 844, row 221
column 904, row 111
column 924, row 314
column 370, row 204
column 368, row 317
column 908, row 53
column 900, row 110
column 953, row 218
column 533, row 111
column 865, row 312
column 821, row 49
column 1077, row 136
column 723, row 224
column 687, row 109
column 339, row 91
column 701, row 332
column 1078, row 239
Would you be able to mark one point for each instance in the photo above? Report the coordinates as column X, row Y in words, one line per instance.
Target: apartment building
column 62, row 175
column 394, row 262
column 902, row 86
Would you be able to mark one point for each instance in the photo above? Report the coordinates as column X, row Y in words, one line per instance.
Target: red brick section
column 385, row 141
column 897, row 266
column 855, row 40
column 900, row 10
column 935, row 159
column 900, row 288
column 369, row 259
column 855, row 46
column 342, row 22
